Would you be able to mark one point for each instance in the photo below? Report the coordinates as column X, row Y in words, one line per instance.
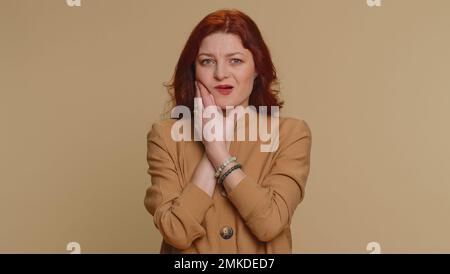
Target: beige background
column 81, row 86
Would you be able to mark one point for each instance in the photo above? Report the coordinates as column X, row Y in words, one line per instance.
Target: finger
column 205, row 95
column 197, row 91
column 214, row 103
column 230, row 122
column 212, row 99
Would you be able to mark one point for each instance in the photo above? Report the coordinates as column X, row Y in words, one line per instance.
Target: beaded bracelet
column 224, row 165
column 222, row 178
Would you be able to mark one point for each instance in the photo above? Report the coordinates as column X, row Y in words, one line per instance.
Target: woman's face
column 222, row 60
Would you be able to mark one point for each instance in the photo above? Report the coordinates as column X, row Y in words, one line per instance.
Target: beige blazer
column 254, row 218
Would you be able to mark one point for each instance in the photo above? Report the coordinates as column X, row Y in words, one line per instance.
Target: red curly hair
column 235, row 22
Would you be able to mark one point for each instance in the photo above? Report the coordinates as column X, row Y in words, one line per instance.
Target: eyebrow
column 229, row 54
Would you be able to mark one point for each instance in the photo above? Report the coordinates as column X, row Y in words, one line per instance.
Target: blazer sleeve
column 177, row 211
column 267, row 208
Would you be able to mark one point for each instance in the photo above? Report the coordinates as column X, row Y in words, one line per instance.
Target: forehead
column 221, row 44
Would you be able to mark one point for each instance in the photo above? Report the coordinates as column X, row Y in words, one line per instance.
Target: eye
column 236, row 61
column 205, row 61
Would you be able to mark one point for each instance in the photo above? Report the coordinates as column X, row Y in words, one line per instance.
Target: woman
column 202, row 199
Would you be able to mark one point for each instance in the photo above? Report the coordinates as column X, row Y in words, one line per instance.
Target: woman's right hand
column 203, row 175
column 224, row 130
column 207, row 101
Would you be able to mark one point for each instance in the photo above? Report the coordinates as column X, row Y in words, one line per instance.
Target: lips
column 224, row 89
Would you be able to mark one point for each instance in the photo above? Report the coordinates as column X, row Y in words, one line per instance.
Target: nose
column 221, row 71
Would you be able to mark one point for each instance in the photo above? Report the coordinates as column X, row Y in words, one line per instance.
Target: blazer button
column 226, row 232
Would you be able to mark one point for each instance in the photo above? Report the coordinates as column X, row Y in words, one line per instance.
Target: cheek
column 246, row 77
column 199, row 72
column 246, row 73
column 204, row 74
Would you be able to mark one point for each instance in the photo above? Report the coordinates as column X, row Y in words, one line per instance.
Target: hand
column 215, row 151
column 203, row 176
column 222, row 129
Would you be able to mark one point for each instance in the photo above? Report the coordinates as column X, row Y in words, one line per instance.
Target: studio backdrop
column 81, row 86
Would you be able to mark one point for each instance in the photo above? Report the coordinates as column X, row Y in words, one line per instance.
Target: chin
column 224, row 106
column 224, row 103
